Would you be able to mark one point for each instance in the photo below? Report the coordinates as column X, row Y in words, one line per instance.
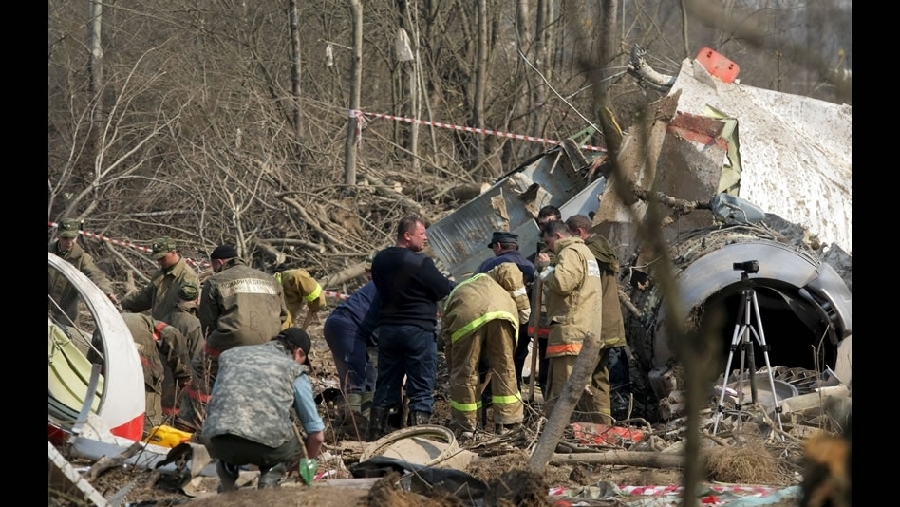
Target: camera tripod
column 741, row 340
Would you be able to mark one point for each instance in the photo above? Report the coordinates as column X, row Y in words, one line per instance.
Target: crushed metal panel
column 584, row 202
column 637, row 159
column 459, row 240
column 796, row 153
column 690, row 164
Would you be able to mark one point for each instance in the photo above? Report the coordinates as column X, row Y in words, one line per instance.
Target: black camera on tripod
column 748, row 266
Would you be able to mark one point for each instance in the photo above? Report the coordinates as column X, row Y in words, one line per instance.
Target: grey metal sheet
column 459, row 240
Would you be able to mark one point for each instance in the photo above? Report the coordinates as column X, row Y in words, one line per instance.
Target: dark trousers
column 521, row 352
column 349, row 352
column 236, row 450
column 410, row 351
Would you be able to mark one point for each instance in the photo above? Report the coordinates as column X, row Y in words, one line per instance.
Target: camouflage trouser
column 494, row 340
column 594, row 403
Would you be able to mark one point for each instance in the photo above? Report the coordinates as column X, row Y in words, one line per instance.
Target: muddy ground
column 501, row 467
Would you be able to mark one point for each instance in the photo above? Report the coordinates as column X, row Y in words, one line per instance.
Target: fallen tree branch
column 386, row 190
column 345, row 275
column 109, row 248
column 645, row 75
column 106, row 463
column 637, row 459
column 313, row 223
column 562, row 410
column 683, row 206
column 299, row 242
column 279, row 256
column 626, row 301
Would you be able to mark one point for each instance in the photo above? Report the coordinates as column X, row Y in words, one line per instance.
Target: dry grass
column 746, row 463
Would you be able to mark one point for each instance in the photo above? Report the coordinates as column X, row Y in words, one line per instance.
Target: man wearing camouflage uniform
column 157, row 343
column 574, row 308
column 480, row 320
column 159, row 294
column 612, row 333
column 299, row 287
column 184, row 318
column 249, row 420
column 63, row 297
column 239, row 306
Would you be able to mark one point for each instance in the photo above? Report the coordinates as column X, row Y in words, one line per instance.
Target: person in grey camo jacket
column 249, row 413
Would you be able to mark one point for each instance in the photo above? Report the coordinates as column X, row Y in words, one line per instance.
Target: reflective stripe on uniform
column 574, row 348
column 479, row 321
column 465, row 407
column 506, row 400
column 314, row 295
column 464, row 283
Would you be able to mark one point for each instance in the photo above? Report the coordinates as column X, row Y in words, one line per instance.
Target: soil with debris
column 500, row 465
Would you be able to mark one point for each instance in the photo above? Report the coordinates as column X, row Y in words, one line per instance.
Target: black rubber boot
column 377, row 422
column 271, row 477
column 418, row 417
column 228, row 474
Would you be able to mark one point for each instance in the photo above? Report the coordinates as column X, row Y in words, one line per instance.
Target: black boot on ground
column 228, row 474
column 419, row 417
column 271, row 478
column 377, row 422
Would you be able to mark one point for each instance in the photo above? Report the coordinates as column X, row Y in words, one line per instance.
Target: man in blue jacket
column 410, row 286
column 350, row 333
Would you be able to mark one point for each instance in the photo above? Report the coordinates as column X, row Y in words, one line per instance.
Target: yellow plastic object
column 167, row 436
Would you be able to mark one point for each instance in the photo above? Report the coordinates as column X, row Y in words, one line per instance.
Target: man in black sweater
column 410, row 287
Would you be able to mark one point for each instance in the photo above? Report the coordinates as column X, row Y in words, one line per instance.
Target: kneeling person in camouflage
column 249, row 414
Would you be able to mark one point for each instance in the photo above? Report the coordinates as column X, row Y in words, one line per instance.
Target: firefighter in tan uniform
column 574, row 309
column 156, row 342
column 613, row 330
column 299, row 287
column 239, row 306
column 480, row 319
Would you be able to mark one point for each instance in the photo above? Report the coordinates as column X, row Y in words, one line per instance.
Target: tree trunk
column 356, row 9
column 95, row 25
column 628, row 458
column 480, row 80
column 539, row 95
column 562, row 410
column 295, row 72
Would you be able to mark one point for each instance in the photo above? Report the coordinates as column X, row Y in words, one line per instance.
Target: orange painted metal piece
column 599, row 433
column 717, row 65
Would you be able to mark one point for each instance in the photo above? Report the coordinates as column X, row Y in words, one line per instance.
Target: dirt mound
column 386, row 492
column 518, row 488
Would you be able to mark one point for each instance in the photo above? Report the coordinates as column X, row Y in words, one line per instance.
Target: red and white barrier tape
column 337, row 295
column 197, row 265
column 355, row 113
column 192, row 262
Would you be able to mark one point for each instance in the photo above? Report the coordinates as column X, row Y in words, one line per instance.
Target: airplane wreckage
column 755, row 189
